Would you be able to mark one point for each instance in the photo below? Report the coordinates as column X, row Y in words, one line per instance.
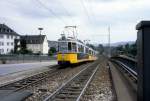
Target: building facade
column 36, row 43
column 7, row 38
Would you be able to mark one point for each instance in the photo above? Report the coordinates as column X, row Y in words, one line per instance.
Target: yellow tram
column 73, row 51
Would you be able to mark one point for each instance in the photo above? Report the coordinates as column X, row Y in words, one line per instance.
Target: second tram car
column 73, row 51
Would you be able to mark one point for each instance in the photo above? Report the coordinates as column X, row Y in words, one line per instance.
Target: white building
column 36, row 43
column 7, row 37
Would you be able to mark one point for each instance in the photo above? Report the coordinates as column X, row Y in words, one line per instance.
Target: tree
column 119, row 48
column 52, row 50
column 133, row 49
column 23, row 48
column 130, row 50
column 91, row 46
column 100, row 48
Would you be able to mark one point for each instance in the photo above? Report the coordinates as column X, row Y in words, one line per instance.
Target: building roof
column 51, row 42
column 4, row 29
column 33, row 39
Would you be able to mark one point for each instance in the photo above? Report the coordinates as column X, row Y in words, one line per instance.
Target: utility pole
column 40, row 29
column 109, row 47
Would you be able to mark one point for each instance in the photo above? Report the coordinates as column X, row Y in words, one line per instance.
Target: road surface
column 6, row 69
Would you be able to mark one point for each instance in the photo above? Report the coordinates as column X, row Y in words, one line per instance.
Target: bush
column 52, row 51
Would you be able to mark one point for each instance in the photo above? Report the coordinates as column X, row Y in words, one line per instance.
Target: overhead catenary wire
column 91, row 10
column 93, row 18
column 65, row 10
column 85, row 10
column 87, row 13
column 51, row 11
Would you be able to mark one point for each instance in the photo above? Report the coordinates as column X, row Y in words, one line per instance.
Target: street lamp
column 40, row 29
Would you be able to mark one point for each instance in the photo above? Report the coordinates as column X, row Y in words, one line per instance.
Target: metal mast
column 109, row 47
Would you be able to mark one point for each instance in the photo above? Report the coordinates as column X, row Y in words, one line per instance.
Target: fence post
column 143, row 49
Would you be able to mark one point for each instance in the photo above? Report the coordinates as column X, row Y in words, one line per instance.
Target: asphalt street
column 6, row 69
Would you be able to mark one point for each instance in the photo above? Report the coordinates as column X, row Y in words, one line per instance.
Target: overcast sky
column 92, row 17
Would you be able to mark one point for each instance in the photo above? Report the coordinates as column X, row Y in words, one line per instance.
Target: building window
column 7, row 43
column 7, row 50
column 7, row 30
column 11, row 36
column 7, row 36
column 4, row 30
column 1, row 51
column 12, row 43
column 1, row 36
column 1, row 43
column 16, row 37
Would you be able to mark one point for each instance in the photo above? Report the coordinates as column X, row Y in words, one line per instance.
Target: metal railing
column 132, row 72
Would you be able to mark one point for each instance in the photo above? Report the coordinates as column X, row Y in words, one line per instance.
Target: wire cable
column 91, row 10
column 85, row 10
column 51, row 11
column 65, row 10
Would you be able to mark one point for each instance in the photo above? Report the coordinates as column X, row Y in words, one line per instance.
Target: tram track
column 24, row 83
column 33, row 83
column 28, row 86
column 73, row 89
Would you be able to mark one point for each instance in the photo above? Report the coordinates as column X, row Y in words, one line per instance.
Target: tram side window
column 74, row 47
column 69, row 46
column 87, row 50
column 90, row 52
column 81, row 48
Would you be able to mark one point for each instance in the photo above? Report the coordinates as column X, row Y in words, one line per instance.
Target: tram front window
column 63, row 47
